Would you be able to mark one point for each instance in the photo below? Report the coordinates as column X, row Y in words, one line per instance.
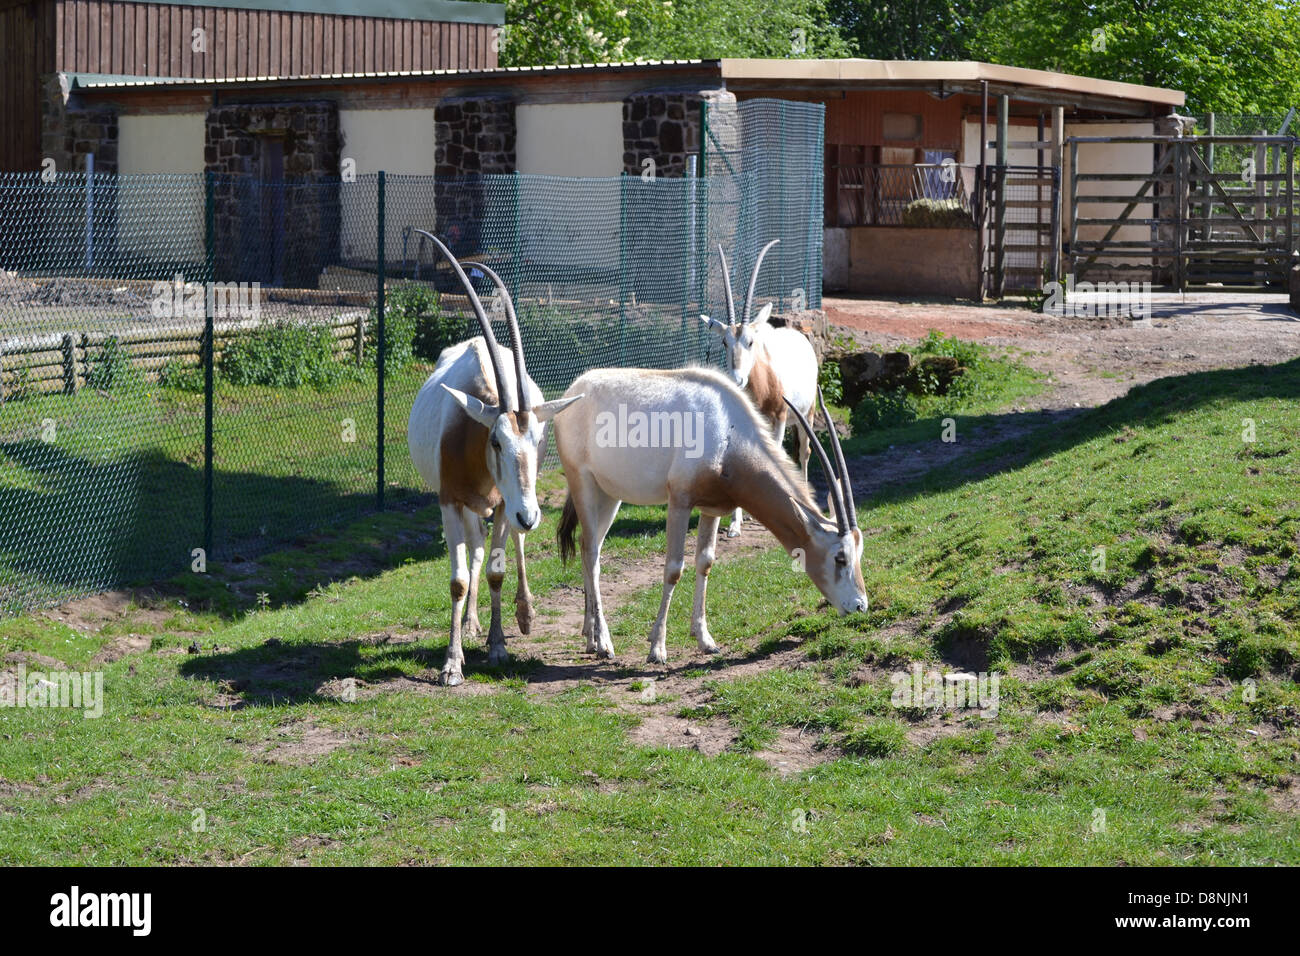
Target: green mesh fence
column 764, row 166
column 108, row 289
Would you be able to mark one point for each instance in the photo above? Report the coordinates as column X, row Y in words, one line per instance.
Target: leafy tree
column 602, row 31
column 910, row 29
column 1234, row 56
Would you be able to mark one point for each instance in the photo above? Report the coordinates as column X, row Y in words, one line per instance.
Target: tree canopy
column 1234, row 56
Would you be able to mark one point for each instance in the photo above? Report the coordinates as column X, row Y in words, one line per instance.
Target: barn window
column 901, row 126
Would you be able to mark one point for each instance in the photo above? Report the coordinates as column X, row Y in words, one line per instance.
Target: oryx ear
column 485, row 415
column 764, row 314
column 714, row 324
column 548, row 410
column 812, row 513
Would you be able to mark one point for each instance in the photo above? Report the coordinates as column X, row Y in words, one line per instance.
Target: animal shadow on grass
column 278, row 674
column 271, row 674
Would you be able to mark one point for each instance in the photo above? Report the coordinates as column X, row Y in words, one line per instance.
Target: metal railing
column 920, row 194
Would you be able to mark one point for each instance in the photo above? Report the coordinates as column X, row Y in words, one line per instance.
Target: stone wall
column 286, row 233
column 664, row 125
column 69, row 133
column 473, row 136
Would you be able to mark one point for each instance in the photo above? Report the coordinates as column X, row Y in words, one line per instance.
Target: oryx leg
column 705, row 543
column 453, row 524
column 524, row 613
column 737, row 518
column 679, row 521
column 596, row 511
column 475, row 540
column 805, row 446
column 496, row 574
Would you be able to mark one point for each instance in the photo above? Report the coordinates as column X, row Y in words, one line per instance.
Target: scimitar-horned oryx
column 476, row 432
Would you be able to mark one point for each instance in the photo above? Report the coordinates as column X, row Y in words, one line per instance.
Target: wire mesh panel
column 130, row 305
column 99, row 453
column 295, row 401
column 765, row 165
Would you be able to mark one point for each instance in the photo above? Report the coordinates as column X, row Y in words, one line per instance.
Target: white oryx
column 772, row 364
column 727, row 460
column 474, row 433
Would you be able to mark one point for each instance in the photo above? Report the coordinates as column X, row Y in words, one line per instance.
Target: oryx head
column 834, row 558
column 516, row 428
column 739, row 335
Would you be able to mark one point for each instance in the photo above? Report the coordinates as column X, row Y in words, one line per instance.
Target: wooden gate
column 1021, row 222
column 1212, row 210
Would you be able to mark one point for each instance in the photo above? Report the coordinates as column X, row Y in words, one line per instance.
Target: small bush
column 967, row 354
column 883, row 410
column 186, row 378
column 111, row 367
column 283, row 355
column 828, row 377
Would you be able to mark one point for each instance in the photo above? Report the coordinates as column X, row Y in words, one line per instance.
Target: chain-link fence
column 130, row 451
column 764, row 166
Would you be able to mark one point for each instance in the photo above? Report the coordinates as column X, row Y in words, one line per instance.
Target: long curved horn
column 726, row 285
column 836, row 501
column 498, row 379
column 516, row 341
column 753, row 279
column 846, row 487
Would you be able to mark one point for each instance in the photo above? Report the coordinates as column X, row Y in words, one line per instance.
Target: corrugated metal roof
column 828, row 73
column 91, row 81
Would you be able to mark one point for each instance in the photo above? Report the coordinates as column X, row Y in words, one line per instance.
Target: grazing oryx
column 474, row 433
column 773, row 364
column 692, row 439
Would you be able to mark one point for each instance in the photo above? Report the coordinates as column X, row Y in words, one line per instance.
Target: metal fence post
column 623, row 269
column 380, row 354
column 209, row 360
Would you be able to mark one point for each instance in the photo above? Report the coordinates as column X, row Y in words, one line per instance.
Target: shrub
column 414, row 327
column 967, row 354
column 828, row 377
column 111, row 367
column 283, row 355
column 176, row 374
column 883, row 410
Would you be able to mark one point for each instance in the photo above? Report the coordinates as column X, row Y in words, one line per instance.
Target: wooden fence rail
column 61, row 361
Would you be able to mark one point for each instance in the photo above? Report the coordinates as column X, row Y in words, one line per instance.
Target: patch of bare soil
column 89, row 615
column 664, row 730
column 794, row 751
column 1287, row 799
column 302, row 742
column 120, row 647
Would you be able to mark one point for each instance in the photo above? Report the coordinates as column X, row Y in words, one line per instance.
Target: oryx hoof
column 497, row 655
column 707, row 644
column 733, row 530
column 657, row 655
column 451, row 678
column 524, row 617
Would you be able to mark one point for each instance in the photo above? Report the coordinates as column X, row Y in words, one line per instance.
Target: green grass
column 117, row 494
column 1125, row 733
